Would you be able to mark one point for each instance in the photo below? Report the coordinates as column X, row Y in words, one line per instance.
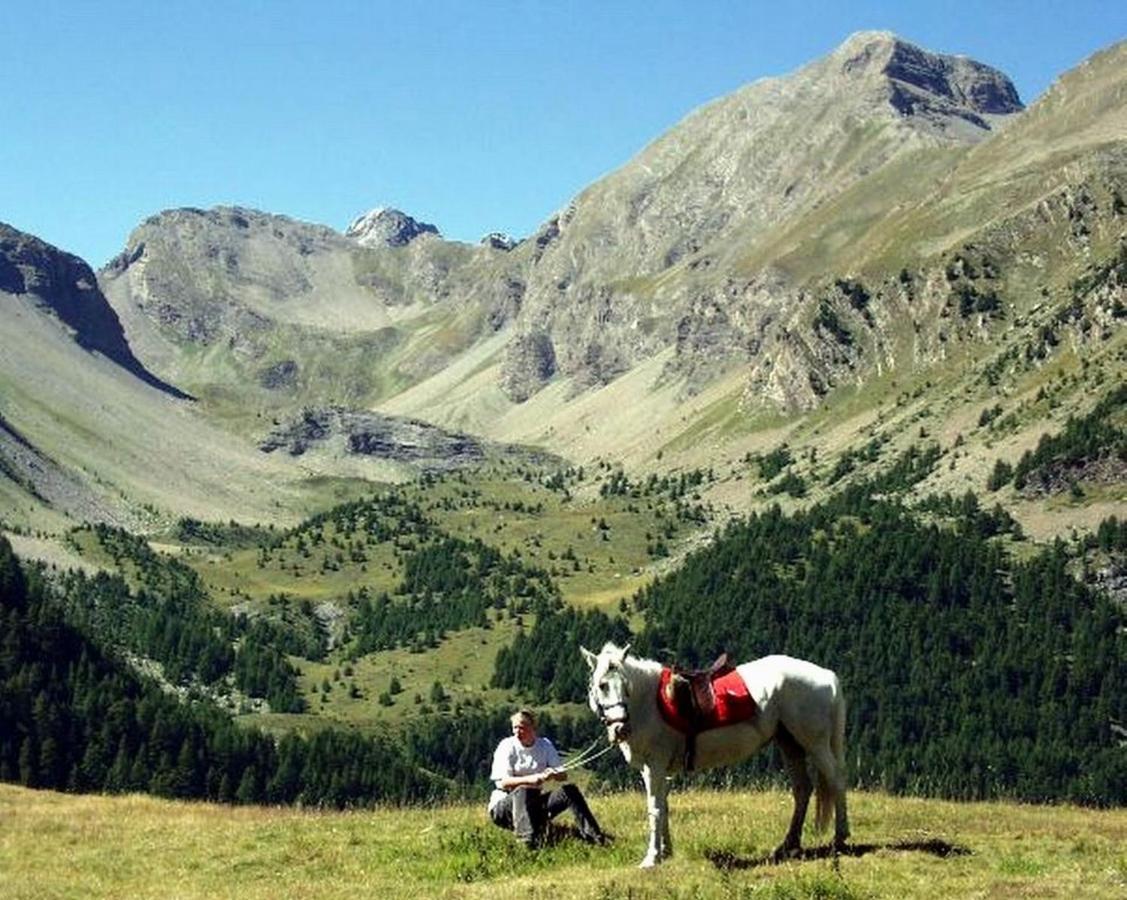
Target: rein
column 586, row 756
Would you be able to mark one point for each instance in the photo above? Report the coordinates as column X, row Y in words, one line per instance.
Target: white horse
column 800, row 705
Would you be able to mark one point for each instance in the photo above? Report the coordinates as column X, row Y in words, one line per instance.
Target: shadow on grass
column 722, row 859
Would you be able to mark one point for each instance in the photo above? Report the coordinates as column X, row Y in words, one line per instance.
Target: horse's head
column 609, row 691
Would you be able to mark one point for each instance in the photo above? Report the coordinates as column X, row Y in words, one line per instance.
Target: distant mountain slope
column 875, row 266
column 66, row 286
column 280, row 313
column 883, row 235
column 88, row 433
column 624, row 267
column 93, row 434
column 28, row 471
column 252, row 310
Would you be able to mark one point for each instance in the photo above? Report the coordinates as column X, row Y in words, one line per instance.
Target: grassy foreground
column 58, row 845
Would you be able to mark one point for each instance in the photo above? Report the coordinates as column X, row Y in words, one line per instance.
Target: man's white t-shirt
column 512, row 759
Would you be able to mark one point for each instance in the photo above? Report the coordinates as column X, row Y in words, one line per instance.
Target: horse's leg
column 657, row 805
column 837, row 748
column 841, row 817
column 801, row 786
column 665, row 842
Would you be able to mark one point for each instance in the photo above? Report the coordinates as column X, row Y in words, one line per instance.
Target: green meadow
column 65, row 846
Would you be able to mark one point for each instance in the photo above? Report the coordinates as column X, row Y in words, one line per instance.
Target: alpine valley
column 834, row 367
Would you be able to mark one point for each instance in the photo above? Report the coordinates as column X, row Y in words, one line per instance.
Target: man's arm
column 505, row 780
column 534, row 780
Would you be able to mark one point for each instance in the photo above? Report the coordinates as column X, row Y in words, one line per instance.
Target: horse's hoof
column 785, row 852
column 648, row 863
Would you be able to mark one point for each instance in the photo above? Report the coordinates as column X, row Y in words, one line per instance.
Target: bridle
column 614, row 712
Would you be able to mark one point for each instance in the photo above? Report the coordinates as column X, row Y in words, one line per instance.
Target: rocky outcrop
column 498, row 240
column 359, row 433
column 529, row 364
column 931, row 86
column 386, row 227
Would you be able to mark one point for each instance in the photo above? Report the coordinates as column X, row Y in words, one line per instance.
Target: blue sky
column 475, row 116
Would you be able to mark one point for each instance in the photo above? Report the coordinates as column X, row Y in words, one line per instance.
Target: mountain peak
column 387, row 227
column 927, row 82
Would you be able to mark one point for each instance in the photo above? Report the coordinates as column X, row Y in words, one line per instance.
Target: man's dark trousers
column 527, row 811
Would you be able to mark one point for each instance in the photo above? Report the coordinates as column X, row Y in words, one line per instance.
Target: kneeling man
column 522, row 764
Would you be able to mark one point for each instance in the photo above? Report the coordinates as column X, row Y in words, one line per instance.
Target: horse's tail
column 826, row 786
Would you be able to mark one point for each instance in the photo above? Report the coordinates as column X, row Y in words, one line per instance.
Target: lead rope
column 586, row 756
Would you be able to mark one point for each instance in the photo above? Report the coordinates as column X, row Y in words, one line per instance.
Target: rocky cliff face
column 632, row 264
column 931, row 87
column 371, row 434
column 347, row 432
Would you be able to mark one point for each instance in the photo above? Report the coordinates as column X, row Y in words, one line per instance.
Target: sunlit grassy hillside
column 57, row 845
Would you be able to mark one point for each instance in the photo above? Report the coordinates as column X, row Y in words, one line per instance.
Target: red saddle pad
column 733, row 703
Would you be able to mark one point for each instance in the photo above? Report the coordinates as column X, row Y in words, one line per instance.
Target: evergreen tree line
column 174, row 628
column 545, row 661
column 170, row 621
column 289, row 626
column 447, row 585
column 214, row 534
column 1110, row 536
column 968, row 674
column 381, row 518
column 73, row 718
column 261, row 670
column 1082, row 440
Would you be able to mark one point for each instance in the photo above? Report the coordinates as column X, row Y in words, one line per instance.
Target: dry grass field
column 62, row 846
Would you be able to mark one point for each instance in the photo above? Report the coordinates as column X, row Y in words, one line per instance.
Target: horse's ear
column 592, row 660
column 625, row 650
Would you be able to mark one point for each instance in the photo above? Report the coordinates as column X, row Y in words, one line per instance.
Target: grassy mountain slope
column 129, row 444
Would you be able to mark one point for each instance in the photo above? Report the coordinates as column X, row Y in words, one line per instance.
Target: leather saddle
column 693, row 694
column 689, row 702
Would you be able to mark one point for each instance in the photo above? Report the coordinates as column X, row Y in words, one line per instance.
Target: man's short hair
column 524, row 714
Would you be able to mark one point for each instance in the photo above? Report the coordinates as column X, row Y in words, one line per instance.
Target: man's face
column 524, row 732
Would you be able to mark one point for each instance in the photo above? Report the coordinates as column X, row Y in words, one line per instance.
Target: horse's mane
column 649, row 667
column 644, row 668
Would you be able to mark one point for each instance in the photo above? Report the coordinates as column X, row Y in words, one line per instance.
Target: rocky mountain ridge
column 642, row 252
